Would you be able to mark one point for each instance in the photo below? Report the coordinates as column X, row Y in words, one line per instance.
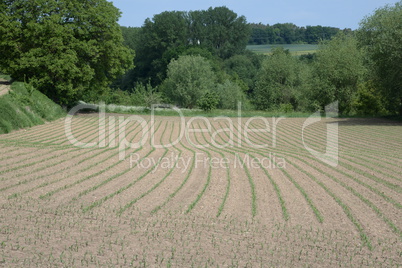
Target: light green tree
column 381, row 36
column 188, row 79
column 337, row 72
column 66, row 49
column 230, row 94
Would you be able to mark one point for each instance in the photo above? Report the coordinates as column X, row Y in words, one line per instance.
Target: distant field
column 295, row 49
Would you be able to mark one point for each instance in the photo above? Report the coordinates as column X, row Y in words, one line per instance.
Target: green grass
column 294, row 49
column 6, row 77
column 213, row 113
column 25, row 107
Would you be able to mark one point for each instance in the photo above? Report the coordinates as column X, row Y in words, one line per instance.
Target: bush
column 286, row 108
column 368, row 100
column 209, row 101
column 146, row 95
column 230, row 94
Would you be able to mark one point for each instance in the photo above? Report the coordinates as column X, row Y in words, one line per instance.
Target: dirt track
column 211, row 205
column 4, row 87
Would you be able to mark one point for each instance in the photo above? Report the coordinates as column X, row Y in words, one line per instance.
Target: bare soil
column 181, row 205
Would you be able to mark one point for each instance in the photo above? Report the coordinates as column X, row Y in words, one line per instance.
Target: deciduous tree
column 337, row 72
column 381, row 36
column 65, row 48
column 188, row 79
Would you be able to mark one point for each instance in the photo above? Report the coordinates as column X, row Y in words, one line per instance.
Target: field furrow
column 222, row 187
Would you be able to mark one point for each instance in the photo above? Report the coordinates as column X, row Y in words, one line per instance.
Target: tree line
column 71, row 50
column 289, row 33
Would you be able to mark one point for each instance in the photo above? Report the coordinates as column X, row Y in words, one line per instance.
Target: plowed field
column 213, row 192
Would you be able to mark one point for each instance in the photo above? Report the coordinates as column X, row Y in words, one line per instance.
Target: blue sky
column 336, row 13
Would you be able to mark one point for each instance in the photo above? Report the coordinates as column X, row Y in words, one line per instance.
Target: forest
column 198, row 59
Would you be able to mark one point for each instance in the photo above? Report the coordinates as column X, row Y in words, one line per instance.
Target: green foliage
column 26, row 107
column 368, row 100
column 188, row 79
column 209, row 101
column 5, row 77
column 221, row 30
column 216, row 32
column 278, row 80
column 337, row 72
column 140, row 95
column 230, row 94
column 131, row 37
column 117, row 97
column 380, row 35
column 244, row 67
column 160, row 38
column 64, row 48
column 286, row 107
column 288, row 33
column 147, row 94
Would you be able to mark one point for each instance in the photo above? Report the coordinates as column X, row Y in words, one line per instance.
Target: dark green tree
column 131, row 36
column 64, row 48
column 170, row 34
column 160, row 38
column 221, row 30
column 245, row 67
column 288, row 33
column 381, row 36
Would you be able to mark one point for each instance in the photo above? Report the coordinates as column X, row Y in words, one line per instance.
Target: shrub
column 286, row 108
column 230, row 94
column 209, row 101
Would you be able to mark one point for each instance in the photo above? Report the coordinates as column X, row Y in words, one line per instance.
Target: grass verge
column 24, row 107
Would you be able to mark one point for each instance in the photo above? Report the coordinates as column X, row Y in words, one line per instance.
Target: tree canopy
column 169, row 34
column 67, row 49
column 289, row 33
column 74, row 50
column 278, row 79
column 380, row 35
column 188, row 79
column 338, row 71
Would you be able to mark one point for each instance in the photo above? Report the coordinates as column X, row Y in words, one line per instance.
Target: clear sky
column 336, row 13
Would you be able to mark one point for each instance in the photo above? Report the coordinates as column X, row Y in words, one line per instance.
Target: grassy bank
column 24, row 107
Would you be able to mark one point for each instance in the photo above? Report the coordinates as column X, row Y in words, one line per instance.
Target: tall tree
column 277, row 80
column 381, row 36
column 338, row 70
column 221, row 30
column 160, row 36
column 169, row 34
column 65, row 48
